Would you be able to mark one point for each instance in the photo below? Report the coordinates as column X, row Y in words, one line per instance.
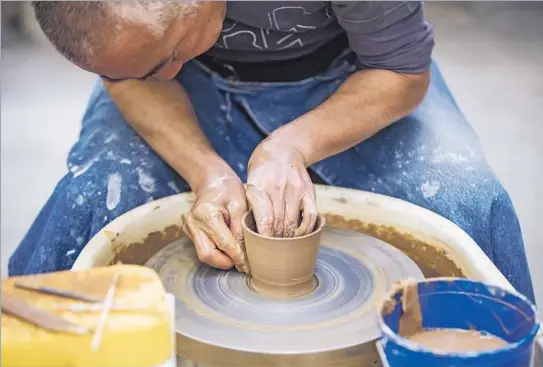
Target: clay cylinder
column 281, row 267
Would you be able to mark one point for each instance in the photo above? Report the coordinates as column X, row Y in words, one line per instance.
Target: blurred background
column 491, row 54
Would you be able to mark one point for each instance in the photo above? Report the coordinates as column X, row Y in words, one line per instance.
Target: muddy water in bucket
column 281, row 267
column 456, row 322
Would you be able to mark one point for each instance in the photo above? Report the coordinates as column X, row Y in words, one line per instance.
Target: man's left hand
column 279, row 190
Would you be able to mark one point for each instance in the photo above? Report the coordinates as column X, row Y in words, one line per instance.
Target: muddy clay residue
column 433, row 261
column 459, row 341
column 139, row 252
column 411, row 320
column 439, row 340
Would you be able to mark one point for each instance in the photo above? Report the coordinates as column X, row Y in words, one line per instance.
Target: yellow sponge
column 137, row 331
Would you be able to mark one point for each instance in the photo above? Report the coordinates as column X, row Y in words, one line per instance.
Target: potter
column 207, row 96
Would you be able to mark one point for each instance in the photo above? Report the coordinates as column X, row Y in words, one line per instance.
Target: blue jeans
column 431, row 158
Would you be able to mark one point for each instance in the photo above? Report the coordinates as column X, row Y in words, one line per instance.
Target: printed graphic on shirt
column 287, row 26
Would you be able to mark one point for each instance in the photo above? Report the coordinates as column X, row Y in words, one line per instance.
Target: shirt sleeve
column 387, row 35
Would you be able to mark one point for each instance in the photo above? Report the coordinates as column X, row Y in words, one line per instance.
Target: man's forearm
column 366, row 102
column 162, row 114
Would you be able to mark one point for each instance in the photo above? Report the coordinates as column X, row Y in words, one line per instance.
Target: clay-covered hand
column 279, row 189
column 214, row 223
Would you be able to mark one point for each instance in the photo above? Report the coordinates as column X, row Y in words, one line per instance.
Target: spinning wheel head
column 222, row 319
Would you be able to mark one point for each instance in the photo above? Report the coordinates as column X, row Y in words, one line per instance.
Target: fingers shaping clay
column 281, row 267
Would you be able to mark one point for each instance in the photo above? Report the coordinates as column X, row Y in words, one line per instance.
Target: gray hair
column 80, row 30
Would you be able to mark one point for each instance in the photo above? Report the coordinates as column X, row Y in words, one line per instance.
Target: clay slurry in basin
column 440, row 340
column 281, row 267
column 457, row 340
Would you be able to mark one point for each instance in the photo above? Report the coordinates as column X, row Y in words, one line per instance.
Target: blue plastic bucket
column 462, row 304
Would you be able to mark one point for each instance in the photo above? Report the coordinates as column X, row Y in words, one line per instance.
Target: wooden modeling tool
column 108, row 303
column 44, row 319
column 35, row 285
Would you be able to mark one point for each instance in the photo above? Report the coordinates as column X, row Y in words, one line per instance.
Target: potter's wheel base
column 279, row 292
column 222, row 317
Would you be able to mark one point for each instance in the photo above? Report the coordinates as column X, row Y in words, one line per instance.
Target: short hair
column 80, row 30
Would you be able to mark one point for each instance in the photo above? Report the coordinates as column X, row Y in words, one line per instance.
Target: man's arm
column 161, row 112
column 393, row 44
column 367, row 102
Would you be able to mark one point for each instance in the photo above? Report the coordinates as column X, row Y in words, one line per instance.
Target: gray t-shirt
column 384, row 35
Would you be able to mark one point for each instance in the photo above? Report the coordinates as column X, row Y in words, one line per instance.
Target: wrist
column 206, row 171
column 284, row 143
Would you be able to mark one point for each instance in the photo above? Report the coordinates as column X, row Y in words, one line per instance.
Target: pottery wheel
column 221, row 313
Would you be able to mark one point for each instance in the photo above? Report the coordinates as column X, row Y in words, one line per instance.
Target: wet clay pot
column 281, row 267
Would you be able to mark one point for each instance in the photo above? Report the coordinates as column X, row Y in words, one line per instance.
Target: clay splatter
column 147, row 183
column 79, row 170
column 430, row 188
column 80, row 200
column 113, row 190
column 110, row 138
column 70, row 252
column 173, row 186
column 449, row 157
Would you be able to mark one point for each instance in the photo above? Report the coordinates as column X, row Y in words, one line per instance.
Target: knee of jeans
column 100, row 196
column 505, row 224
column 464, row 196
column 107, row 185
column 108, row 146
column 111, row 187
column 480, row 205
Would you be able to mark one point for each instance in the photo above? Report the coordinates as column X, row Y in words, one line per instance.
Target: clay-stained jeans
column 431, row 158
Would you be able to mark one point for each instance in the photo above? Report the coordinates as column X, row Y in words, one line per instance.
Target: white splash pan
column 135, row 225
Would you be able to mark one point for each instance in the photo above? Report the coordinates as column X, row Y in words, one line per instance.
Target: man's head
column 121, row 40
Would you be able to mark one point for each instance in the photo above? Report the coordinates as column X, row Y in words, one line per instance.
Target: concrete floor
column 491, row 55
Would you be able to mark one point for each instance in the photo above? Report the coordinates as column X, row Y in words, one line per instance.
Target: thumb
column 236, row 228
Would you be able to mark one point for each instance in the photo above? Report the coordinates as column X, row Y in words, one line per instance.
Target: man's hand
column 214, row 223
column 162, row 114
column 279, row 189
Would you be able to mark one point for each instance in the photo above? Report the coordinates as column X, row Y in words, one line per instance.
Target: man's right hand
column 214, row 223
column 161, row 112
